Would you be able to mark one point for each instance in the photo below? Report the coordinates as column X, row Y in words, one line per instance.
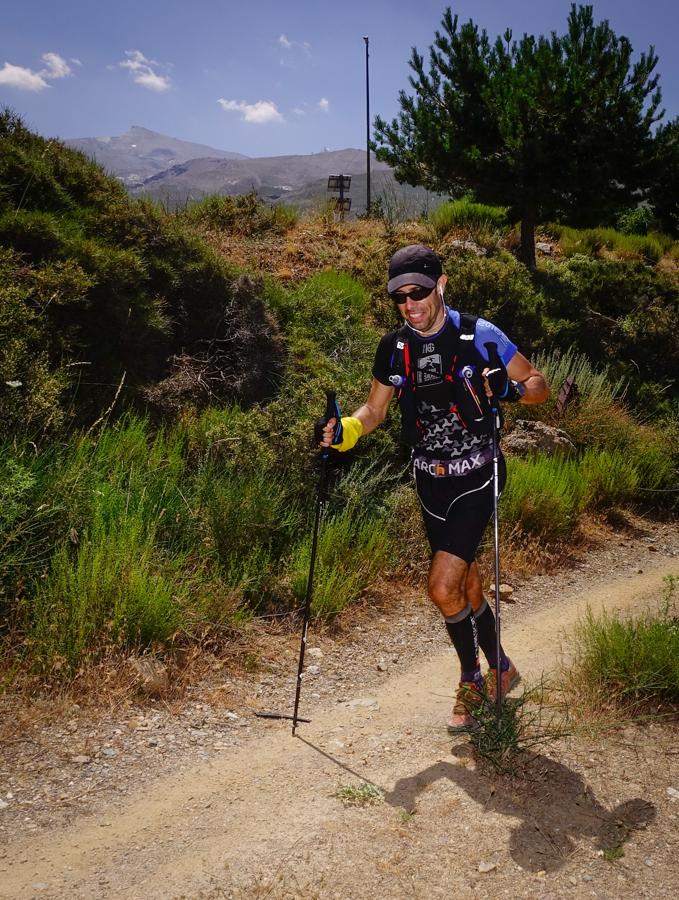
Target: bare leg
column 447, row 579
column 472, row 588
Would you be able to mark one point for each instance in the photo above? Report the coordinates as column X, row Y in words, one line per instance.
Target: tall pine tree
column 553, row 127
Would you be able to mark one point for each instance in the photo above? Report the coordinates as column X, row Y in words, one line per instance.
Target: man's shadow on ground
column 554, row 802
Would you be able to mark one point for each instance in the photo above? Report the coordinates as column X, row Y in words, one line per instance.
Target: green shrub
column 36, row 234
column 21, row 548
column 620, row 314
column 16, row 482
column 543, row 496
column 656, row 459
column 591, row 241
column 153, row 303
column 328, row 339
column 325, row 302
column 609, row 479
column 352, row 550
column 629, row 662
column 283, row 217
column 252, row 520
column 403, row 513
column 467, row 216
column 636, row 220
column 35, row 340
column 45, row 175
column 113, row 588
column 242, row 214
column 596, row 418
column 366, row 483
column 100, row 536
column 594, row 385
column 499, row 289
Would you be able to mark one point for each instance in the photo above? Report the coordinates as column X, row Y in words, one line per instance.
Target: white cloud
column 27, row 80
column 24, row 79
column 260, row 113
column 57, row 67
column 153, row 81
column 143, row 71
column 298, row 111
column 324, row 104
column 294, row 49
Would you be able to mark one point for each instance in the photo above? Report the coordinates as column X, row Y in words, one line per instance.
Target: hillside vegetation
column 160, row 374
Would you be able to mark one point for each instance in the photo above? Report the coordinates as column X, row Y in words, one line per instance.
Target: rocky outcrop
column 150, row 675
column 528, row 438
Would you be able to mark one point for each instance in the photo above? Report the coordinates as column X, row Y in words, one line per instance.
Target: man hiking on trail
column 443, row 366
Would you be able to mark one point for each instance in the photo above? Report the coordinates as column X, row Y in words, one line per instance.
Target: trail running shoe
column 469, row 698
column 508, row 680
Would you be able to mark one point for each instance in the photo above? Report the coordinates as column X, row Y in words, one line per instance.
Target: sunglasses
column 418, row 294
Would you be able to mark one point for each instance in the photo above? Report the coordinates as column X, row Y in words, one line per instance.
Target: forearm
column 374, row 411
column 369, row 417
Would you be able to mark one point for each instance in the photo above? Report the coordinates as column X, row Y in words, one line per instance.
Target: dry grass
column 313, row 245
column 106, row 684
column 364, row 794
column 523, row 555
column 527, row 721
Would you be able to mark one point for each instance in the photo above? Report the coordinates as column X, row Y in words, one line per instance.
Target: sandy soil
column 204, row 800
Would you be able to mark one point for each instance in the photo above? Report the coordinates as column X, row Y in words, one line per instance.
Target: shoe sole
column 463, row 729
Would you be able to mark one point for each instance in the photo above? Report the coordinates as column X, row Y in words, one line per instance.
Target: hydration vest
column 461, row 388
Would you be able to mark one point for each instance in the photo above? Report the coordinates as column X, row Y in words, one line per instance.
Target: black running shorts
column 457, row 509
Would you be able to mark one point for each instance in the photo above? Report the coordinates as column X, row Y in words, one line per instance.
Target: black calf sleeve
column 461, row 631
column 485, row 631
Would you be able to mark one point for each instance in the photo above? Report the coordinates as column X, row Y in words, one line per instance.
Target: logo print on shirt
column 429, row 370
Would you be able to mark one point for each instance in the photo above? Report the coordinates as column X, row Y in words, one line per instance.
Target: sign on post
column 340, row 184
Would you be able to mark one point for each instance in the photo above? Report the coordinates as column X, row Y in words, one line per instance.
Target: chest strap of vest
column 406, row 360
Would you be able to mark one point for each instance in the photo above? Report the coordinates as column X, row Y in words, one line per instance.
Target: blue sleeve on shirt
column 485, row 333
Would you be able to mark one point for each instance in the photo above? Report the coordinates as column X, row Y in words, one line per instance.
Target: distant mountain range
column 178, row 172
column 140, row 153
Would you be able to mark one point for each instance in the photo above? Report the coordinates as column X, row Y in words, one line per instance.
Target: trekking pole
column 331, row 411
column 495, row 412
column 498, row 369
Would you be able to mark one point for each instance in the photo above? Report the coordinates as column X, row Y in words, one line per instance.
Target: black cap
column 414, row 265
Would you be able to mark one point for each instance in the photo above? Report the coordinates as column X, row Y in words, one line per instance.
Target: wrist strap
column 513, row 392
column 352, row 429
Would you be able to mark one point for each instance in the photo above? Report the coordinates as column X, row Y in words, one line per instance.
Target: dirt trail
column 263, row 820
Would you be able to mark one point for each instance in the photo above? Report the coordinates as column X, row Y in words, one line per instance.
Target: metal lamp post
column 367, row 122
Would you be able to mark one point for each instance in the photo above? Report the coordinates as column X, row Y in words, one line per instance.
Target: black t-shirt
column 442, row 435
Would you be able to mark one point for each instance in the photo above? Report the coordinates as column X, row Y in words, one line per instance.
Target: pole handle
column 332, row 411
column 330, row 403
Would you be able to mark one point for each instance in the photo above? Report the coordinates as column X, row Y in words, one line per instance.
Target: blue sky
column 262, row 78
